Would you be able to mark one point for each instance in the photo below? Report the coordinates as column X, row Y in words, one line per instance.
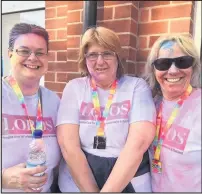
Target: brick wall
column 138, row 24
column 161, row 17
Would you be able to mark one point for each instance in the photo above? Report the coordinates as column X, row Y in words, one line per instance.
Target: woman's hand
column 20, row 177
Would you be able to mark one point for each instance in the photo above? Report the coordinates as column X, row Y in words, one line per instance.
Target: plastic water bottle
column 37, row 151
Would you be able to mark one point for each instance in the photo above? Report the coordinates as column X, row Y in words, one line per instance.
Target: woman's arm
column 68, row 138
column 141, row 135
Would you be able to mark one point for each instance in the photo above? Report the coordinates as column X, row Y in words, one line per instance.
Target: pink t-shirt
column 181, row 149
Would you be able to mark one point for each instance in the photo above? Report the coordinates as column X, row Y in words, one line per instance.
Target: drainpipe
column 89, row 14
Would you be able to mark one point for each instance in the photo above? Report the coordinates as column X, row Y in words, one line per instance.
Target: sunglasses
column 164, row 64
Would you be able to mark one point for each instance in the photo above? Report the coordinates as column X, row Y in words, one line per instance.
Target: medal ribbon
column 13, row 83
column 160, row 131
column 100, row 122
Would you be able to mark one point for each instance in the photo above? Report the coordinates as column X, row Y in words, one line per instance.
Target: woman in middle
column 106, row 121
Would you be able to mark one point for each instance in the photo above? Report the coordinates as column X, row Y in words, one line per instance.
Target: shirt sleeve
column 68, row 112
column 142, row 106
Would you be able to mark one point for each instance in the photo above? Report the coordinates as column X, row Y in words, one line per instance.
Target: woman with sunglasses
column 174, row 73
column 25, row 106
column 106, row 121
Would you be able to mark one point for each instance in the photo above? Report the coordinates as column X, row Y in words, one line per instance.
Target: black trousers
column 102, row 166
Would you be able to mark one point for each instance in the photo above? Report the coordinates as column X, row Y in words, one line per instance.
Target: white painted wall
column 12, row 6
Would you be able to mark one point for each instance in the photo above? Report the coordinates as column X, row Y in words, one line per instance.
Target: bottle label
column 29, row 165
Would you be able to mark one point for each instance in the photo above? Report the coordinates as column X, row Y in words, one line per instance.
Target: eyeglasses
column 164, row 64
column 28, row 52
column 93, row 56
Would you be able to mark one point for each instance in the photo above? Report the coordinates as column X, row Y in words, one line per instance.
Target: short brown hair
column 24, row 28
column 105, row 38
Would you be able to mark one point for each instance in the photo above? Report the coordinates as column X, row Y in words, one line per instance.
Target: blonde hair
column 105, row 38
column 186, row 43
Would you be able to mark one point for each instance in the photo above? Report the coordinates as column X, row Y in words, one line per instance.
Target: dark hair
column 24, row 28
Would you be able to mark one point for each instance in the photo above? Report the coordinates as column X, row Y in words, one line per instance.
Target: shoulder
column 131, row 79
column 49, row 94
column 6, row 88
column 194, row 101
column 77, row 83
column 135, row 82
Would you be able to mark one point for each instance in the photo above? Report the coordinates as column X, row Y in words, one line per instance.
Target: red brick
column 122, row 11
column 124, row 39
column 134, row 27
column 153, row 28
column 57, row 87
column 117, row 25
column 73, row 42
column 50, row 13
column 127, row 40
column 74, row 29
column 136, row 3
column 152, row 40
column 142, row 55
column 61, row 34
column 68, row 66
column 65, row 77
column 133, row 41
column 61, row 77
column 142, row 42
column 134, row 13
column 152, row 3
column 62, row 11
column 62, row 56
column 180, row 2
column 180, row 26
column 144, row 15
column 71, row 76
column 130, row 68
column 132, row 54
column 51, row 56
column 58, row 45
column 139, row 69
column 52, row 34
column 72, row 54
column 50, row 76
column 171, row 12
column 74, row 5
column 56, row 23
column 109, row 3
column 55, row 3
column 104, row 13
column 125, row 53
column 74, row 17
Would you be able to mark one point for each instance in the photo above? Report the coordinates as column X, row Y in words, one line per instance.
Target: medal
column 100, row 139
column 99, row 142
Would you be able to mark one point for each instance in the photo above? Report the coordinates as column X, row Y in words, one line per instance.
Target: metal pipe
column 89, row 14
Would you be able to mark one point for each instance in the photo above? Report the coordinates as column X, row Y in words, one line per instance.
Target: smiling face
column 102, row 70
column 174, row 81
column 29, row 67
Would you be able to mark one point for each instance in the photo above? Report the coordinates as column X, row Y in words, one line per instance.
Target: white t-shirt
column 181, row 149
column 16, row 133
column 132, row 102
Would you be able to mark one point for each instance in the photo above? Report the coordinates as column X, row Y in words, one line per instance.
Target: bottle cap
column 37, row 133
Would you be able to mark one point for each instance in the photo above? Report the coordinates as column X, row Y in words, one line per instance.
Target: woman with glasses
column 106, row 121
column 25, row 104
column 174, row 71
